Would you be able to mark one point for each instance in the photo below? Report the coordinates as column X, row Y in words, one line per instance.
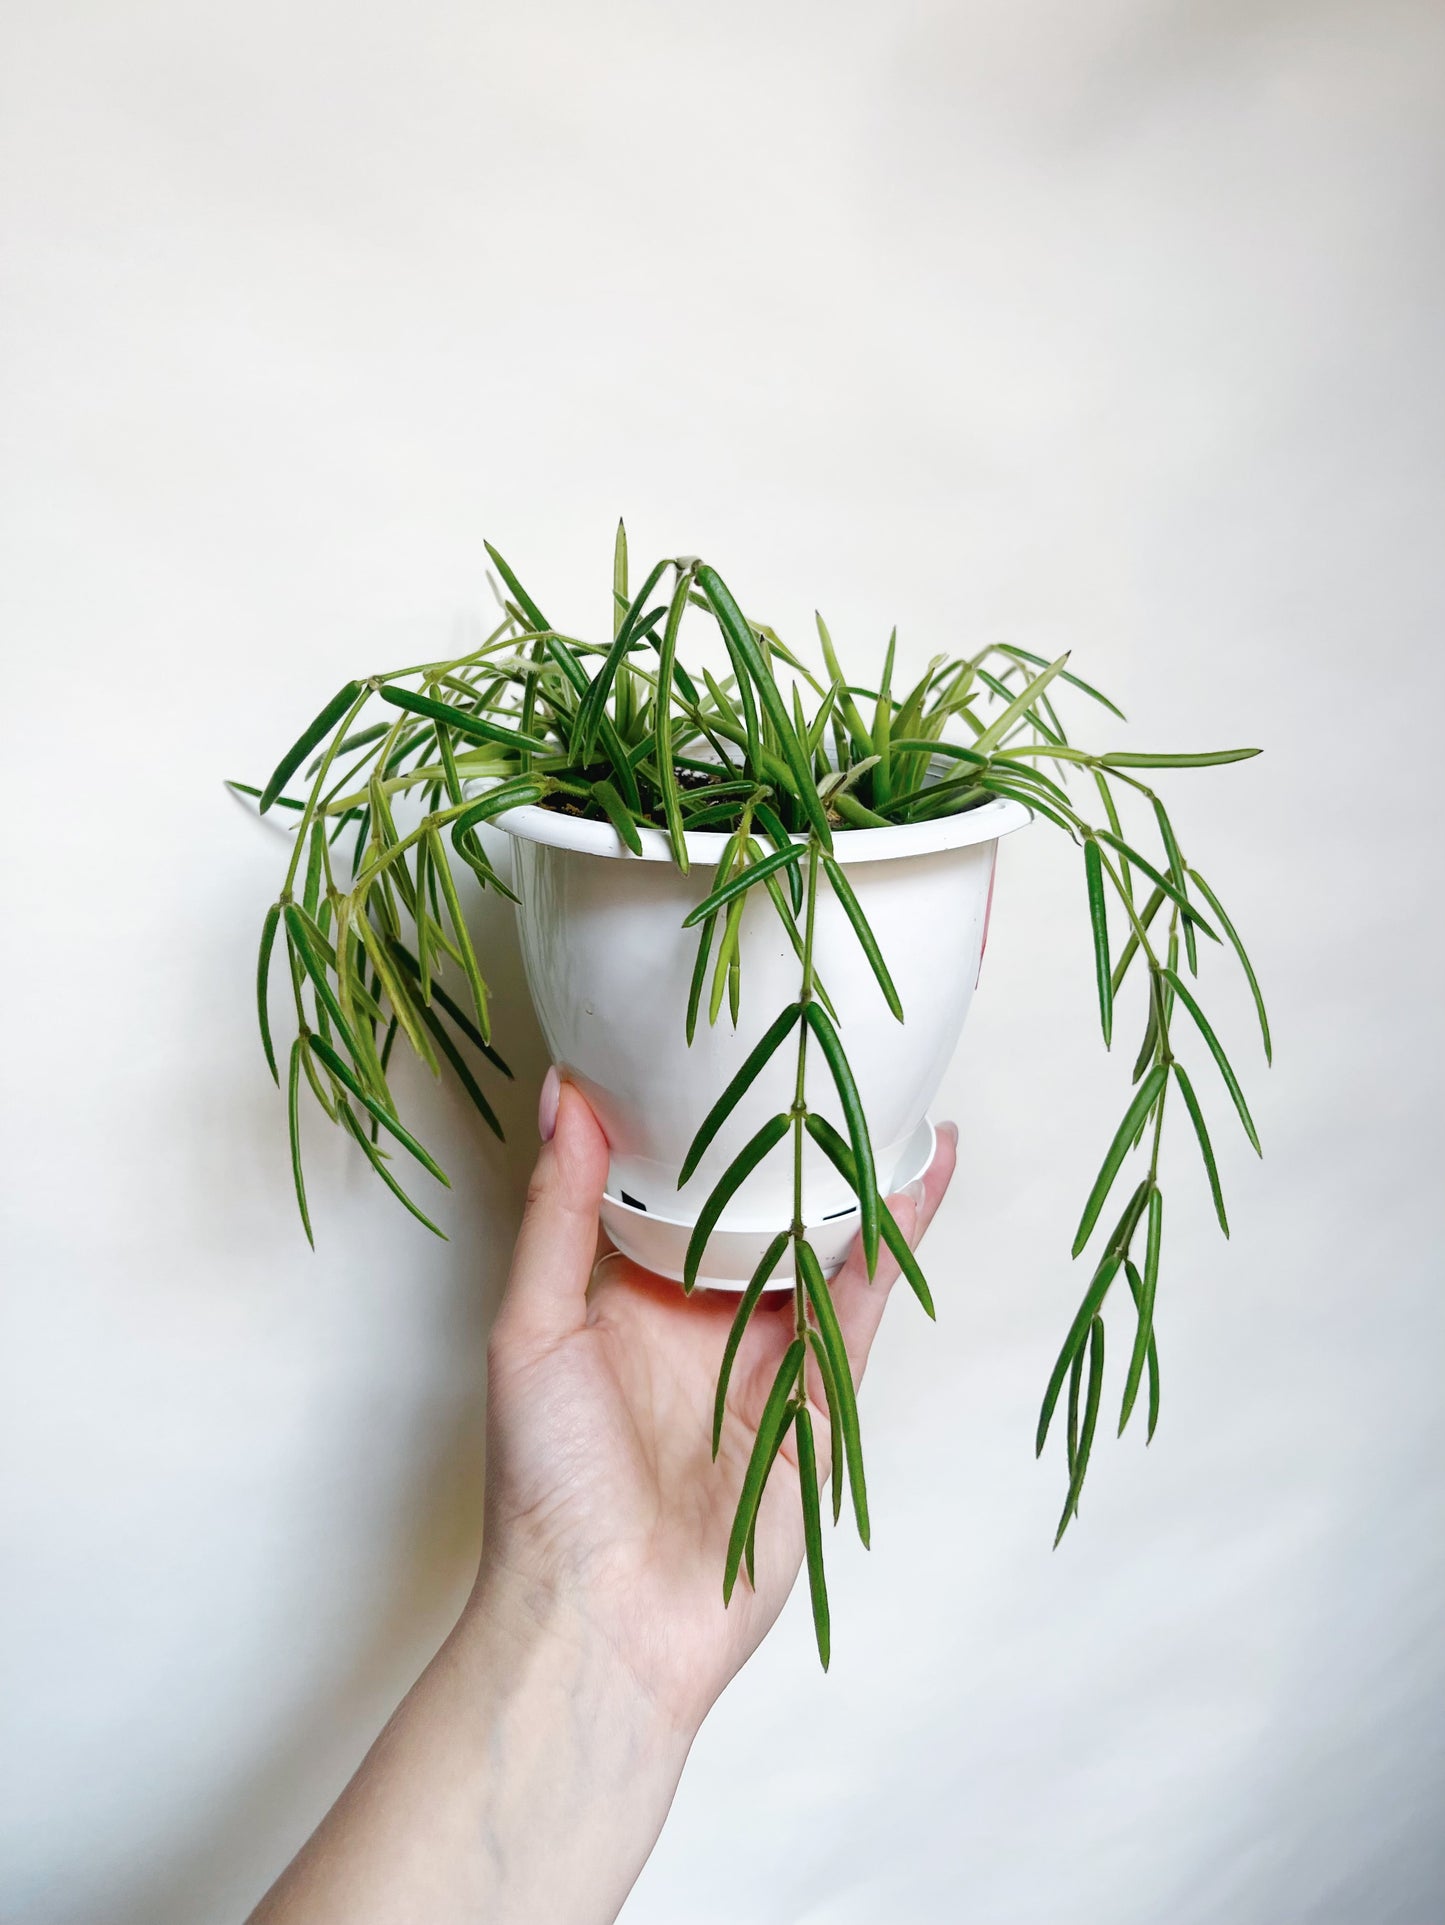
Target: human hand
column 606, row 1516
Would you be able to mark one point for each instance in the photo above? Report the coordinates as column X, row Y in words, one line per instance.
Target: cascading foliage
column 783, row 760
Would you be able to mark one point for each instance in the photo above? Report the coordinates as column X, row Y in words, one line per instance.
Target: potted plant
column 754, row 899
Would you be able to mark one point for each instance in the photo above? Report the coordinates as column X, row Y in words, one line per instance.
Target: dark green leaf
column 771, row 1426
column 463, row 721
column 463, row 1074
column 1216, row 1050
column 1144, row 1332
column 747, row 1304
column 737, row 1088
column 301, row 942
column 1091, row 1417
column 1170, row 888
column 263, row 976
column 612, row 806
column 813, row 1531
column 841, row 1157
column 293, row 1122
column 699, row 975
column 821, row 1298
column 843, row 889
column 517, row 792
column 1143, row 1102
column 388, row 1122
column 1099, row 923
column 738, row 884
column 378, row 1163
column 1196, row 1116
column 1130, row 949
column 662, row 722
column 1136, row 1288
column 740, row 638
column 1233, row 937
column 835, row 1426
column 325, row 722
column 731, row 1180
column 594, row 702
column 821, row 1025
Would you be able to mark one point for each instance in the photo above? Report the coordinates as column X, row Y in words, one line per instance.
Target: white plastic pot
column 609, row 967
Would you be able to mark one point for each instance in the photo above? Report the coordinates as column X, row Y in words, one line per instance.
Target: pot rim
column 999, row 817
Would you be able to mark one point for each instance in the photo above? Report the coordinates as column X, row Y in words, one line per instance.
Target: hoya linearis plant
column 785, row 759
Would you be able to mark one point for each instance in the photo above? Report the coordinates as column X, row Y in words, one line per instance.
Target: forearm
column 524, row 1778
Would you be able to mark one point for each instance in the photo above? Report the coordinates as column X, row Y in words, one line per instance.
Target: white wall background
column 1116, row 326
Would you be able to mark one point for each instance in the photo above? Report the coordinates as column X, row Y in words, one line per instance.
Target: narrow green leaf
column 594, row 702
column 726, row 978
column 821, row 1298
column 1170, row 888
column 771, row 1426
column 1099, row 1283
column 1216, row 1050
column 388, row 1122
column 662, row 722
column 1131, row 947
column 612, row 806
column 378, row 1163
column 747, row 1304
column 1099, row 923
column 458, row 1015
column 739, row 637
column 1232, row 935
column 1138, row 759
column 462, row 721
column 1018, row 707
column 1144, row 1331
column 1206, row 1150
column 813, row 1531
column 1076, row 1379
column 738, row 884
column 699, row 975
column 760, row 1054
column 293, row 1123
column 1136, row 1287
column 343, row 700
column 1134, row 1116
column 1065, row 676
column 847, row 708
column 733, row 1177
column 835, row 1426
column 619, row 576
column 304, row 948
column 1091, row 1417
column 516, row 793
column 831, row 1045
column 464, row 1074
column 523, row 600
column 841, row 1157
column 463, row 935
column 263, row 977
column 771, row 824
column 853, row 909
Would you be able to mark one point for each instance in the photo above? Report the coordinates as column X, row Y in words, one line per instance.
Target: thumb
column 547, row 1291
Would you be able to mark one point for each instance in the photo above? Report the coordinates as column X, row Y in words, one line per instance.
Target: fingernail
column 914, row 1192
column 950, row 1130
column 547, row 1104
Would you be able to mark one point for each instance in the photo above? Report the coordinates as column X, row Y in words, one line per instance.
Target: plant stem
column 800, row 1101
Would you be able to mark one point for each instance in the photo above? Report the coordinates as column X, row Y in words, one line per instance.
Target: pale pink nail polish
column 950, row 1130
column 548, row 1103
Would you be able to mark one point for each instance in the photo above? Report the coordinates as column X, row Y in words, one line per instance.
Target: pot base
column 734, row 1251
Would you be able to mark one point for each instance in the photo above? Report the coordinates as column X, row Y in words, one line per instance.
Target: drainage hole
column 636, row 1201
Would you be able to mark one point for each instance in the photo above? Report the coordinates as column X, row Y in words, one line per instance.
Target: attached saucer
column 659, row 1243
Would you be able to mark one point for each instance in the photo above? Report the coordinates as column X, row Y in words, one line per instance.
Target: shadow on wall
column 422, row 1568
